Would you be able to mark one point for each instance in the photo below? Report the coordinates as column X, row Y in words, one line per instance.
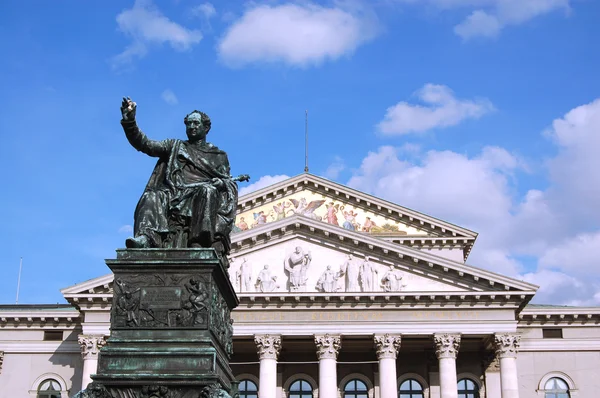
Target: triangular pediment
column 271, row 244
column 334, row 204
column 98, row 289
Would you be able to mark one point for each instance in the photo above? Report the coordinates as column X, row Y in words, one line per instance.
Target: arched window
column 467, row 388
column 301, row 389
column 356, row 388
column 248, row 389
column 410, row 388
column 556, row 388
column 49, row 388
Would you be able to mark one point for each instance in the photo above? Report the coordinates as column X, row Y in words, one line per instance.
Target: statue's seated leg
column 150, row 220
column 139, row 242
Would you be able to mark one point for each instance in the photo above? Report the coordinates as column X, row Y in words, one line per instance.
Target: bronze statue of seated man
column 191, row 198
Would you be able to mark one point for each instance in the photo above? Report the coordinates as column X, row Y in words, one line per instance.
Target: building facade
column 341, row 295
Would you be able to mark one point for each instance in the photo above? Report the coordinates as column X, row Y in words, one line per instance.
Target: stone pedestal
column 171, row 330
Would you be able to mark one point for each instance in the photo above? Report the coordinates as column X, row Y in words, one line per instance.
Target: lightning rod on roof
column 306, row 141
column 19, row 280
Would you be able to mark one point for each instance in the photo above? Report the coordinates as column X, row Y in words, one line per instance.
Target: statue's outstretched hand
column 128, row 109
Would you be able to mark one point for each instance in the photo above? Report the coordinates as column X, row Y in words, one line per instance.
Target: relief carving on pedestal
column 507, row 345
column 91, row 344
column 221, row 322
column 387, row 345
column 328, row 346
column 296, row 265
column 267, row 346
column 446, row 345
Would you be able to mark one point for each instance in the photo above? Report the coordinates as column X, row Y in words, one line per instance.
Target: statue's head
column 197, row 125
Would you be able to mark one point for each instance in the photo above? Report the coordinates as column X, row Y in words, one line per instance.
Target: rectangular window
column 53, row 335
column 552, row 333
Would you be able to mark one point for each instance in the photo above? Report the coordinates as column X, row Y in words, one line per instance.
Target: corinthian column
column 267, row 347
column 90, row 346
column 446, row 349
column 387, row 346
column 328, row 347
column 507, row 345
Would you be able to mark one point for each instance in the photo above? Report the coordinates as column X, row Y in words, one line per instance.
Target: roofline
column 86, row 285
column 356, row 237
column 342, row 188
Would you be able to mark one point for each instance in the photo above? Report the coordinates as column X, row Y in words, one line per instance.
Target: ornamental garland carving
column 91, row 344
column 446, row 345
column 328, row 346
column 507, row 345
column 267, row 346
column 387, row 345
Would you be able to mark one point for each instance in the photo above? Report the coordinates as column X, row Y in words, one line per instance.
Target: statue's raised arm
column 191, row 198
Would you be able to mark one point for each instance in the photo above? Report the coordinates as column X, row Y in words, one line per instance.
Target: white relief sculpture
column 387, row 345
column 267, row 346
column 351, row 270
column 367, row 270
column 392, row 280
column 91, row 344
column 328, row 346
column 296, row 265
column 265, row 281
column 328, row 281
column 507, row 345
column 244, row 276
column 446, row 345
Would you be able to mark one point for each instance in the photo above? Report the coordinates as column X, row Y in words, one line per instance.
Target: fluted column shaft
column 507, row 346
column 328, row 347
column 446, row 350
column 90, row 345
column 267, row 347
column 387, row 346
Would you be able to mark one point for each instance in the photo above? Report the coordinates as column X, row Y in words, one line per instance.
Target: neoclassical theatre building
column 341, row 295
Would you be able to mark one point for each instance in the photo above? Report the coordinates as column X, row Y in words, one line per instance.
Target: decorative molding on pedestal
column 446, row 345
column 267, row 346
column 387, row 345
column 91, row 344
column 507, row 345
column 328, row 346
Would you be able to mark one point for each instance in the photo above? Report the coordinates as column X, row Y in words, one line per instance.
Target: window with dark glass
column 552, row 333
column 356, row 388
column 53, row 335
column 301, row 389
column 49, row 389
column 248, row 389
column 467, row 388
column 410, row 388
column 556, row 388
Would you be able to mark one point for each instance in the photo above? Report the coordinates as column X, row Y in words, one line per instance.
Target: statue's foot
column 139, row 242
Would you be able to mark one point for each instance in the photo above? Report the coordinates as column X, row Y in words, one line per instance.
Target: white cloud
column 489, row 17
column 557, row 228
column 334, row 169
column 442, row 109
column 206, row 10
column 262, row 182
column 146, row 26
column 169, row 97
column 126, row 229
column 294, row 34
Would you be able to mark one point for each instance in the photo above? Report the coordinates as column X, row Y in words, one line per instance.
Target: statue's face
column 194, row 128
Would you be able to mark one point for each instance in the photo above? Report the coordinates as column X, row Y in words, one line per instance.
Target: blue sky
column 485, row 113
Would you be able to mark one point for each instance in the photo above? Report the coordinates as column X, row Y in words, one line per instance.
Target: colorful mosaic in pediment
column 326, row 209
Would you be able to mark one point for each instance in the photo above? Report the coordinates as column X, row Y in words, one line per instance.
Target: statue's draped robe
column 180, row 198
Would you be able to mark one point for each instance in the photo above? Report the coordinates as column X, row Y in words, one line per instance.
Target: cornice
column 434, row 226
column 44, row 318
column 565, row 316
column 405, row 258
column 92, row 286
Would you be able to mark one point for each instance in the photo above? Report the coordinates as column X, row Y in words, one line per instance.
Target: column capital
column 507, row 345
column 267, row 346
column 387, row 345
column 91, row 344
column 328, row 346
column 446, row 345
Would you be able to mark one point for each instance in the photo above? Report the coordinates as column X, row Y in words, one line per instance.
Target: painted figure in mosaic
column 279, row 210
column 190, row 199
column 367, row 269
column 296, row 264
column 260, row 218
column 392, row 281
column 351, row 270
column 265, row 281
column 331, row 216
column 244, row 275
column 303, row 208
column 350, row 220
column 368, row 225
column 242, row 225
column 328, row 281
